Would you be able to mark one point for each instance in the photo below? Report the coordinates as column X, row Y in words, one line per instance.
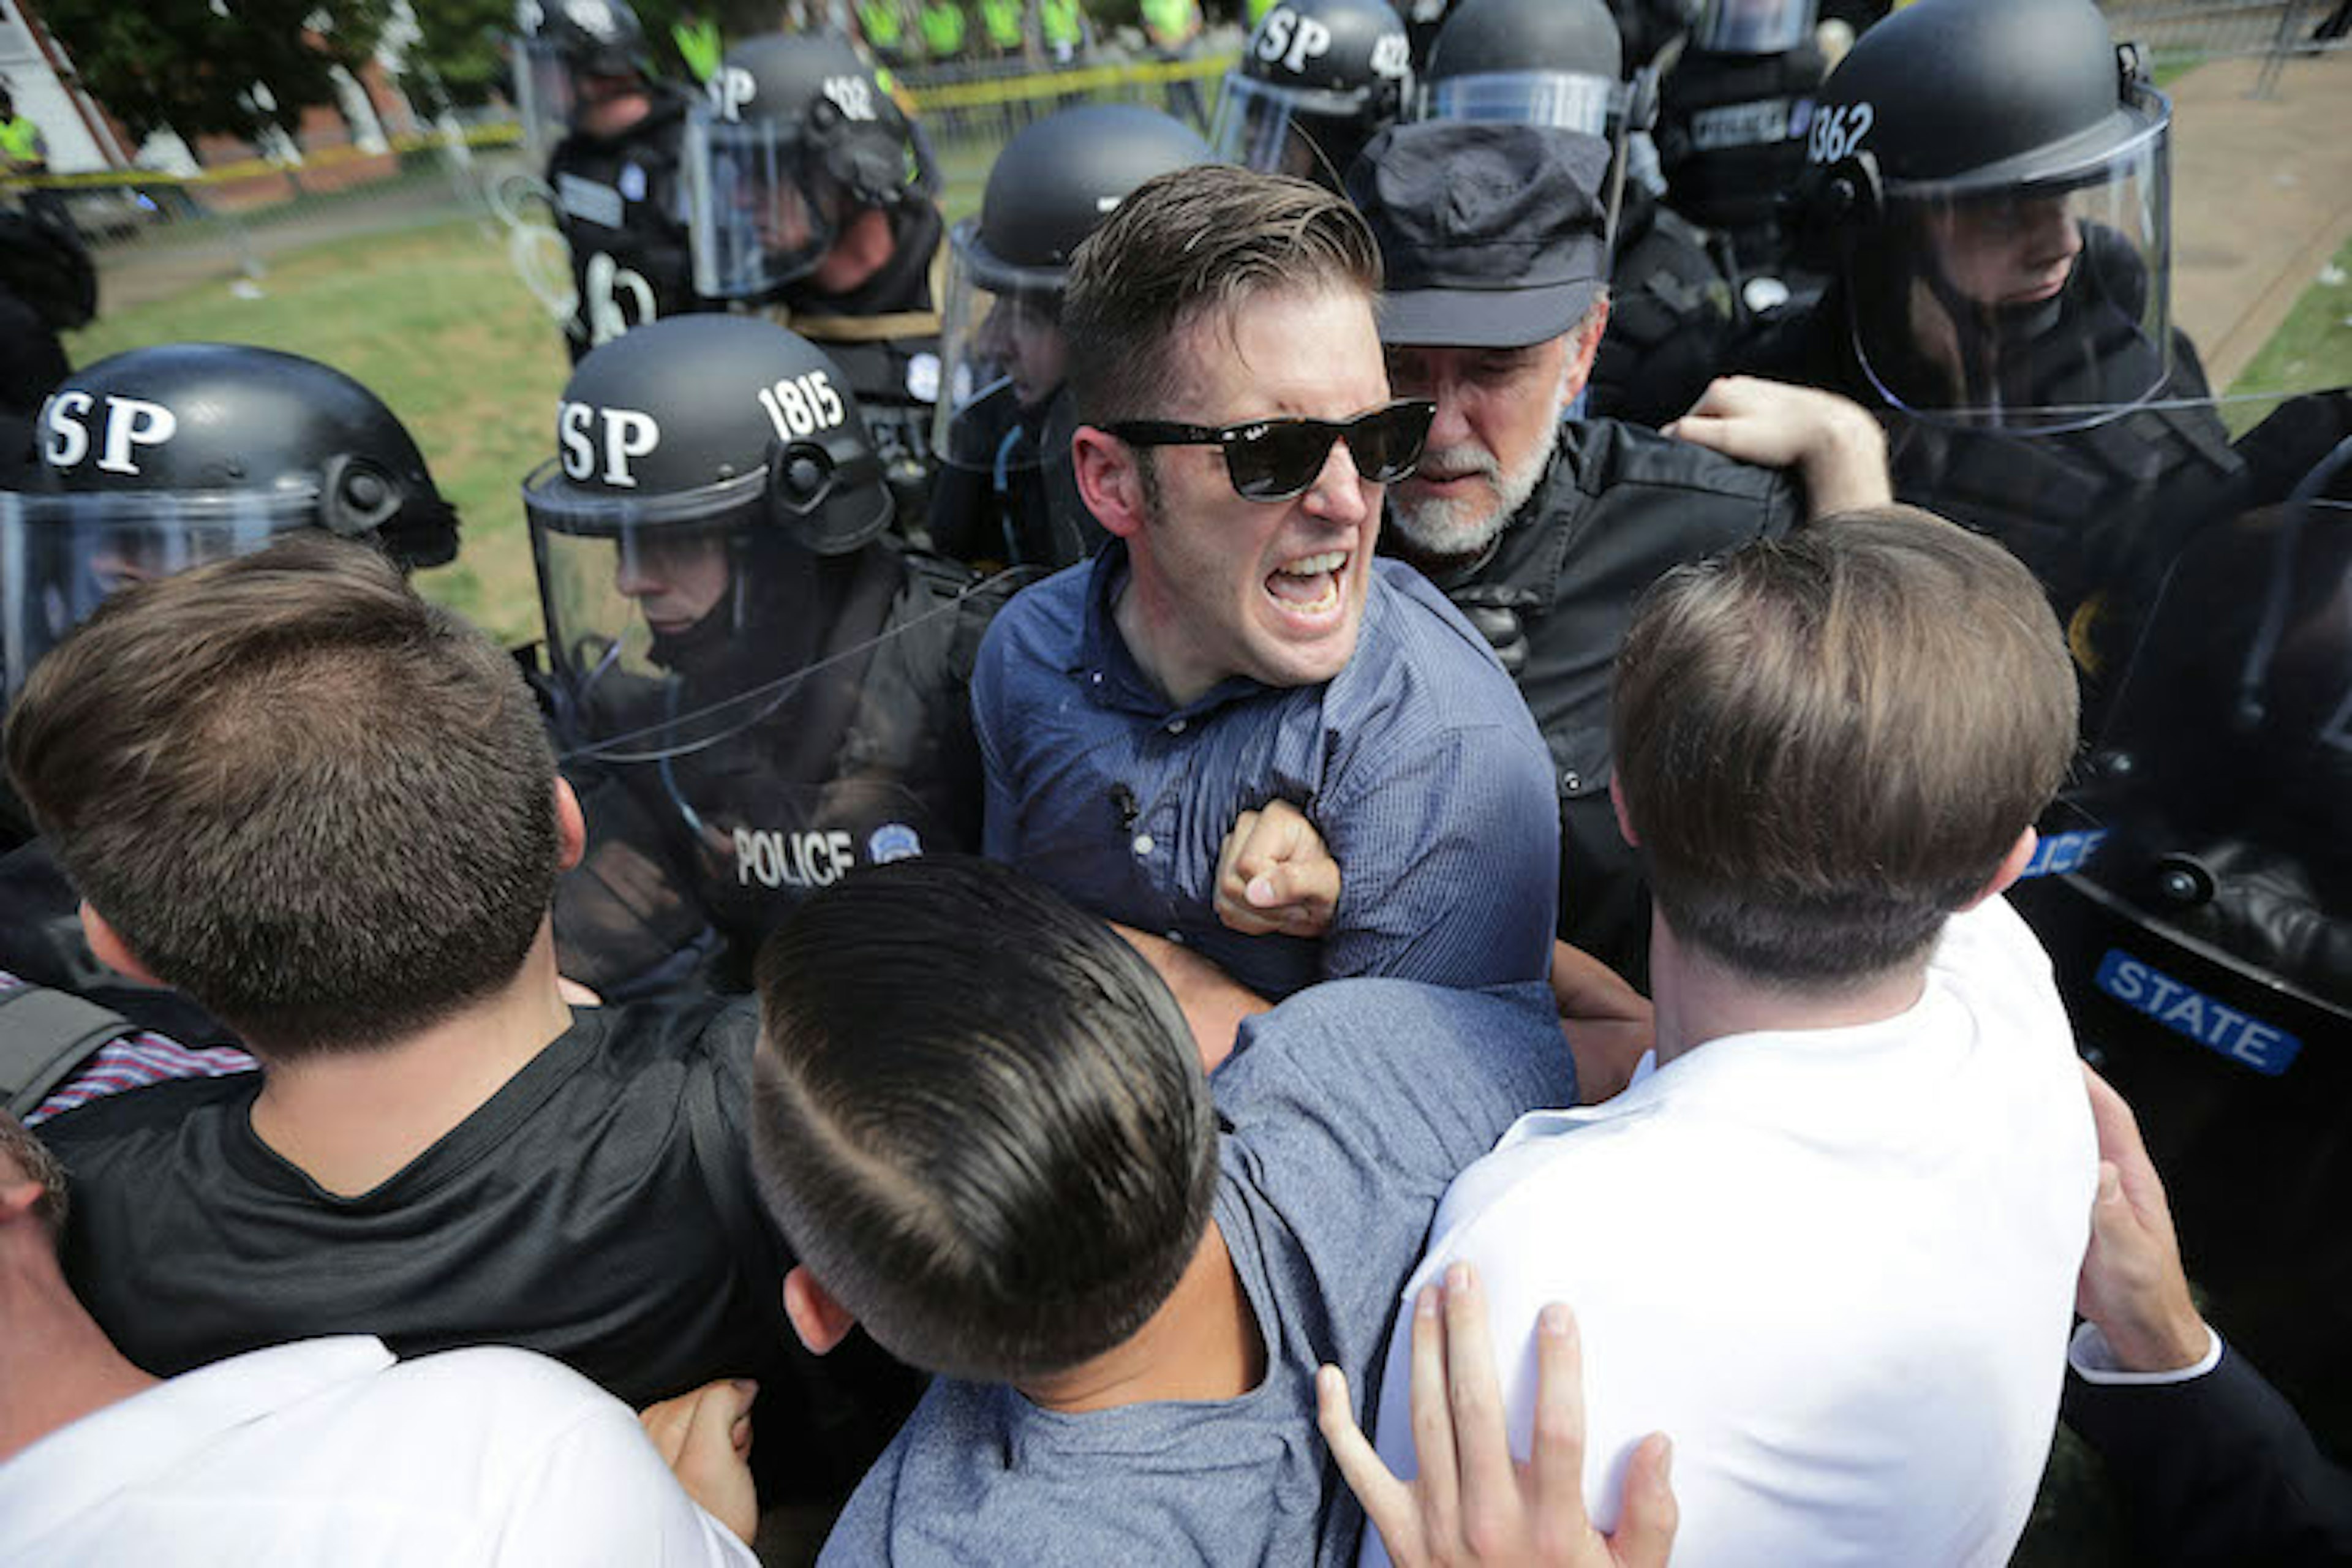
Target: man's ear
column 821, row 1321
column 1109, row 480
column 1624, row 817
column 1585, row 348
column 17, row 1195
column 112, row 951
column 2012, row 866
column 571, row 827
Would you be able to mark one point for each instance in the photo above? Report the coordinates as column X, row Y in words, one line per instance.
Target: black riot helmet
column 1535, row 62
column 1053, row 183
column 563, row 47
column 157, row 459
column 709, row 468
column 794, row 136
column 1316, row 80
column 1991, row 179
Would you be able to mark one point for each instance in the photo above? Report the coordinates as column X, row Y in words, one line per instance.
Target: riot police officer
column 1732, row 117
column 1316, row 80
column 614, row 177
column 753, row 690
column 811, row 195
column 1004, row 490
column 1989, row 178
column 1558, row 63
column 150, row 462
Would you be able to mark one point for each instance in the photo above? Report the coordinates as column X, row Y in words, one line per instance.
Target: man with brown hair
column 1829, row 1238
column 328, row 811
column 1236, row 642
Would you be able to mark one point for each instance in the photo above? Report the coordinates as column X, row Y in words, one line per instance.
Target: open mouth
column 1310, row 585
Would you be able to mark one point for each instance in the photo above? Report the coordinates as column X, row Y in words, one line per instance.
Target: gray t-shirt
column 1347, row 1110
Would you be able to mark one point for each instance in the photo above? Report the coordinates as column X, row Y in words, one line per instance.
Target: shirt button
column 1175, row 726
column 1142, row 845
column 1095, row 677
column 1571, row 779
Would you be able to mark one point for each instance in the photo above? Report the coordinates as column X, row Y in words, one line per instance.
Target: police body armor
column 2094, row 512
column 886, row 338
column 863, row 755
column 1672, row 309
column 2194, row 887
column 1619, row 507
column 620, row 205
column 1731, row 139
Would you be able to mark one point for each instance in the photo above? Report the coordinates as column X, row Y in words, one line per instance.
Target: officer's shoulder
column 1609, row 454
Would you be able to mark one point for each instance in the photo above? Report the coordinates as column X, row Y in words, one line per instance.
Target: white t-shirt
column 1836, row 1266
column 329, row 1452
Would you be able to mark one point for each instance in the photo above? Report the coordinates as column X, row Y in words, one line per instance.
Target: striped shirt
column 133, row 1061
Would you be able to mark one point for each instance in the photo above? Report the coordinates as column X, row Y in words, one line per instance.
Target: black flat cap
column 1492, row 235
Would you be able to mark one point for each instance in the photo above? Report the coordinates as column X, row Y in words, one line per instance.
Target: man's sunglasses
column 1277, row 459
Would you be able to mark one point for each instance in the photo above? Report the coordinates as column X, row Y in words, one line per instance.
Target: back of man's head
column 1195, row 242
column 1828, row 743
column 319, row 805
column 980, row 1119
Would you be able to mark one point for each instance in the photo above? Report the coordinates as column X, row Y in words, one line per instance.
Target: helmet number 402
column 1838, row 131
column 801, row 405
column 852, row 95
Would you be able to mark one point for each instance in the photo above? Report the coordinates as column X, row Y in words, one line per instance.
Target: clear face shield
column 2226, row 758
column 544, row 97
column 655, row 611
column 62, row 556
column 1003, row 357
column 1753, row 26
column 762, row 215
column 1281, row 131
column 2036, row 306
column 1567, row 101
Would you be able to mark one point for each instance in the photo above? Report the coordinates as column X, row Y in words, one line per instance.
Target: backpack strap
column 44, row 1035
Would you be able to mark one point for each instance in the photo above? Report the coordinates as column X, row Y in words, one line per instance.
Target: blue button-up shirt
column 1418, row 764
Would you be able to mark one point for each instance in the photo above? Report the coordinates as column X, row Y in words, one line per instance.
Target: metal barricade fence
column 2180, row 34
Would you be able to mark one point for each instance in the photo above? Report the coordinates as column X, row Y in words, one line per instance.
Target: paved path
column 2261, row 198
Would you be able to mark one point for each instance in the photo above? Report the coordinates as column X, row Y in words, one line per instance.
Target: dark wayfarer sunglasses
column 1277, row 459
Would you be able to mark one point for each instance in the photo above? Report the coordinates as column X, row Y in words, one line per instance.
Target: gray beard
column 1432, row 533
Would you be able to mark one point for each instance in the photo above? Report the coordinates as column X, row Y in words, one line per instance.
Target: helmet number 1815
column 801, row 405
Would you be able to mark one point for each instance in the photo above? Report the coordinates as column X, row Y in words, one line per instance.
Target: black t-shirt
column 599, row 1209
column 573, row 1214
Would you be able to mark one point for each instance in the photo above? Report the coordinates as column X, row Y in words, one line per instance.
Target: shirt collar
column 1108, row 670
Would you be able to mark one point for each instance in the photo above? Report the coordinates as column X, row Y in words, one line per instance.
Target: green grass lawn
column 2312, row 348
column 436, row 323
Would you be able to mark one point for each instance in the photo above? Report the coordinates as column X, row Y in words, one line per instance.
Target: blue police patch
column 892, row 841
column 2204, row 1019
column 2063, row 852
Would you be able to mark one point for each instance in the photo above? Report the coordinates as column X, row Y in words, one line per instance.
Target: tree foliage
column 192, row 66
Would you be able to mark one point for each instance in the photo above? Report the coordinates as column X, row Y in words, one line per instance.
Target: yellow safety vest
column 1002, row 19
column 884, row 27
column 20, row 139
column 1059, row 21
column 943, row 29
